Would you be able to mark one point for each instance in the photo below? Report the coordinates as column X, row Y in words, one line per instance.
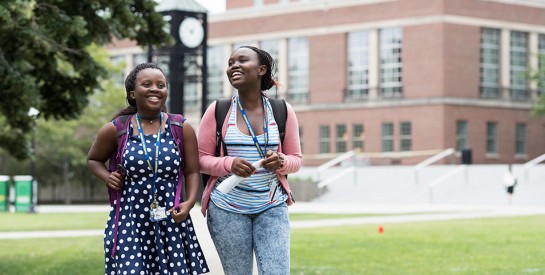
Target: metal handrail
column 531, row 163
column 431, row 160
column 443, row 178
column 337, row 176
column 332, row 163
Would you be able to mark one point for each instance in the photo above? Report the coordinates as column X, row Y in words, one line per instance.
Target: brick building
column 395, row 79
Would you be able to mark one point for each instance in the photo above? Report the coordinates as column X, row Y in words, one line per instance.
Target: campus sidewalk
column 406, row 213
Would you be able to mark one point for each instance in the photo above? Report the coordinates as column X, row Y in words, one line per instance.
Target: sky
column 214, row 6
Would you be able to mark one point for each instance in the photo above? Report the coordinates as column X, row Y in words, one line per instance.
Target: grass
column 51, row 221
column 479, row 246
column 55, row 256
column 483, row 246
column 69, row 221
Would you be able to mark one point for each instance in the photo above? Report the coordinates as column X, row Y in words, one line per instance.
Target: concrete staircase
column 475, row 184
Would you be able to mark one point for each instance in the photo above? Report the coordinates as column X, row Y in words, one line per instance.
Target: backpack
column 280, row 112
column 122, row 127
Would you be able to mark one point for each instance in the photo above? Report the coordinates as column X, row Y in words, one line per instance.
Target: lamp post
column 33, row 113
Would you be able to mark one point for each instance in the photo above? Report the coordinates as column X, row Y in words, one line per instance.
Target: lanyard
column 251, row 130
column 157, row 145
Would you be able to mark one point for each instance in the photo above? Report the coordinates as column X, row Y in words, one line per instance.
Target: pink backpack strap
column 177, row 121
column 122, row 127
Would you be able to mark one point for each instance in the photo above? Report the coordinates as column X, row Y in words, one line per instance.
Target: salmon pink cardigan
column 221, row 166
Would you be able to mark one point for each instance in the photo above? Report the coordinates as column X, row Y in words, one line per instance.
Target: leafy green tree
column 45, row 61
column 62, row 145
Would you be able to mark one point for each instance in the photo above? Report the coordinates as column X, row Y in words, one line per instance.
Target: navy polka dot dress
column 143, row 246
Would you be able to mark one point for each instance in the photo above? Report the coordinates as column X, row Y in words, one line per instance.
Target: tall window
column 387, row 137
column 298, row 59
column 162, row 61
column 358, row 137
column 119, row 62
column 191, row 87
column 139, row 58
column 519, row 65
column 541, row 64
column 340, row 138
column 216, row 69
column 490, row 63
column 391, row 63
column 520, row 139
column 491, row 137
column 461, row 134
column 358, row 65
column 324, row 139
column 271, row 46
column 405, row 136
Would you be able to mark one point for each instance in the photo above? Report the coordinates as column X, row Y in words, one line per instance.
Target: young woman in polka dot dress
column 150, row 236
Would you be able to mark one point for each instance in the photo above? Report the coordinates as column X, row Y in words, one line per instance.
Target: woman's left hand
column 181, row 213
column 273, row 161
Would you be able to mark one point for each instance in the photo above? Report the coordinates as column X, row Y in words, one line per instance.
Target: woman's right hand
column 115, row 181
column 242, row 168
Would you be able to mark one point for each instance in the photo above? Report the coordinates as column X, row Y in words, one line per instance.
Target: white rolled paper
column 229, row 183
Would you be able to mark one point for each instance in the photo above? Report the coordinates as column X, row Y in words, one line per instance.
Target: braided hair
column 130, row 83
column 265, row 59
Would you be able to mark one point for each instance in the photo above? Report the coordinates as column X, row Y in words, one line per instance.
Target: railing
column 324, row 182
column 429, row 161
column 529, row 165
column 443, row 178
column 347, row 171
column 332, row 163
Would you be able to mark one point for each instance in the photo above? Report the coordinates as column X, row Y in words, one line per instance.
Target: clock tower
column 185, row 61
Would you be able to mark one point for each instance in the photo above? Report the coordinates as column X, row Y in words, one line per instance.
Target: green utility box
column 4, row 193
column 23, row 193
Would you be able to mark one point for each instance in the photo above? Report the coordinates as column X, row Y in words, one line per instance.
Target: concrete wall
column 476, row 184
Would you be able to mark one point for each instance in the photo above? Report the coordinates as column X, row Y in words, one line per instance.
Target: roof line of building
column 403, row 22
column 298, row 7
column 294, row 7
column 412, row 102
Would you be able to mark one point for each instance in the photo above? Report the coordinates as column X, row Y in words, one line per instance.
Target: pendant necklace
column 149, row 118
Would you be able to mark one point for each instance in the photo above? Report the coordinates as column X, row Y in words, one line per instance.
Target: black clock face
column 191, row 32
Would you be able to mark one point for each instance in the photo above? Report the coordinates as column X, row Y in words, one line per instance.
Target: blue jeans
column 237, row 236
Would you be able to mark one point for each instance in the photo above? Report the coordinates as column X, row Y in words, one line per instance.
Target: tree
column 62, row 145
column 45, row 61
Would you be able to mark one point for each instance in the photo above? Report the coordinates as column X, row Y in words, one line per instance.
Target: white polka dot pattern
column 145, row 247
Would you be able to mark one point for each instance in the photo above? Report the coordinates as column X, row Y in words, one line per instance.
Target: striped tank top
column 251, row 195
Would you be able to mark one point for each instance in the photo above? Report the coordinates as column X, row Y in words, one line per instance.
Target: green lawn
column 70, row 221
column 51, row 221
column 481, row 246
column 56, row 256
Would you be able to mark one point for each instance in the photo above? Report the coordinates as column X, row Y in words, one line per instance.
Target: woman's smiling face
column 150, row 90
column 244, row 68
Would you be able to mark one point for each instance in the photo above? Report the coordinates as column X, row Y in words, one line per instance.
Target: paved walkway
column 407, row 213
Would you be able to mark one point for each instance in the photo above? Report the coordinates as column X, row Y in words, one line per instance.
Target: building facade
column 395, row 80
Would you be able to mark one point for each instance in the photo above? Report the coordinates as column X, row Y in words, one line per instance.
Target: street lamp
column 33, row 113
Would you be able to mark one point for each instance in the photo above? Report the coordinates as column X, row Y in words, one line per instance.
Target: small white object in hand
column 229, row 183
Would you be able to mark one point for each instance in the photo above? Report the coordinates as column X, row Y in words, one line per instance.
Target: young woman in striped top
column 252, row 217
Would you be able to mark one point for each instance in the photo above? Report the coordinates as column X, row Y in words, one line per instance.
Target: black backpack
column 280, row 112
